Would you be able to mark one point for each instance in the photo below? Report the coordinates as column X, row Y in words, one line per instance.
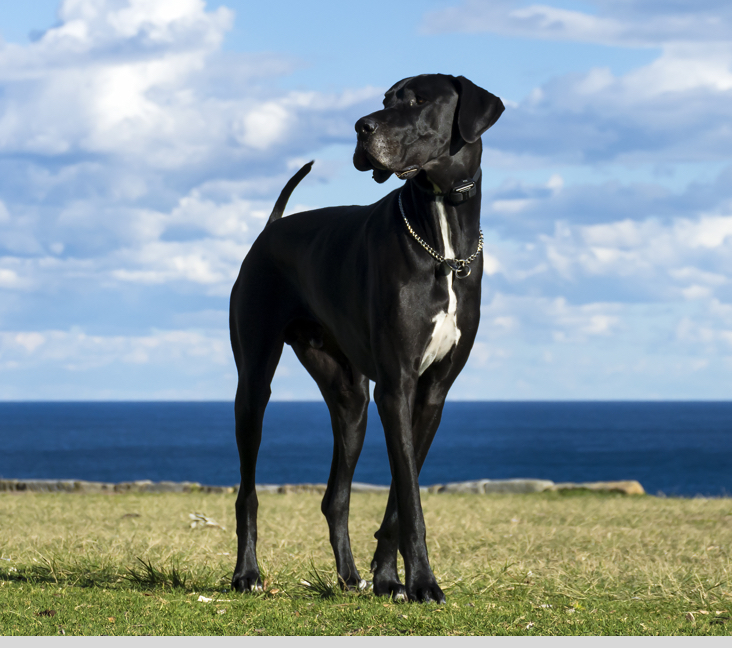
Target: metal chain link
column 456, row 265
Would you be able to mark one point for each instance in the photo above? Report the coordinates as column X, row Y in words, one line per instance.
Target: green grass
column 541, row 564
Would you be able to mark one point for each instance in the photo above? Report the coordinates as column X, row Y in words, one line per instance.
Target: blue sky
column 143, row 142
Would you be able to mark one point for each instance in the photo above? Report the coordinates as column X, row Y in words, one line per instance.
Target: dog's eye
column 419, row 100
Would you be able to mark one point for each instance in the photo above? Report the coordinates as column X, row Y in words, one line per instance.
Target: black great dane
column 389, row 292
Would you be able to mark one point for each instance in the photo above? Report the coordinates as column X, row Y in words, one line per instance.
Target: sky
column 143, row 143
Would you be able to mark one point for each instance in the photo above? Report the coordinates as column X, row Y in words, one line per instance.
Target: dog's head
column 424, row 118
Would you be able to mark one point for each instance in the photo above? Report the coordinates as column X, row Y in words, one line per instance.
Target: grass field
column 539, row 564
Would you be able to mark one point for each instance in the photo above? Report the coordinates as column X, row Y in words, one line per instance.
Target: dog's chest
column 445, row 333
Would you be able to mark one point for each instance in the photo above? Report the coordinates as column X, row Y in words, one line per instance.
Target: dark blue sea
column 674, row 448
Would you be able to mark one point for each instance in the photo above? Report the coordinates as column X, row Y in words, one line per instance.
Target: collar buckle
column 464, row 190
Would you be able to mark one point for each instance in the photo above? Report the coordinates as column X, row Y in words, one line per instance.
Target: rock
column 147, row 486
column 483, row 486
column 264, row 488
column 135, row 486
column 360, row 487
column 54, row 486
column 173, row 487
column 8, row 485
column 479, row 486
column 516, row 485
column 226, row 490
column 93, row 487
column 628, row 487
column 302, row 488
column 463, row 487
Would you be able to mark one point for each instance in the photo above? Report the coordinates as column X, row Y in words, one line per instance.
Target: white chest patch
column 446, row 334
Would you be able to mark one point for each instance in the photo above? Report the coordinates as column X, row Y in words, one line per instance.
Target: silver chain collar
column 461, row 267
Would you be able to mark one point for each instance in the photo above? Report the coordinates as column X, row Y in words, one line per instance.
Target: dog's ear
column 477, row 110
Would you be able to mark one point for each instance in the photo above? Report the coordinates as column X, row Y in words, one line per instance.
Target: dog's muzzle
column 367, row 155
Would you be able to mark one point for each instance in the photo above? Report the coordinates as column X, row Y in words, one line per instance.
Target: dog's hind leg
column 257, row 346
column 428, row 407
column 346, row 393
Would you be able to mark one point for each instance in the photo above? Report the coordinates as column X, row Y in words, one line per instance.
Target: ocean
column 671, row 448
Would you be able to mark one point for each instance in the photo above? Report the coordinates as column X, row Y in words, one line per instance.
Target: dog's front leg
column 395, row 410
column 426, row 417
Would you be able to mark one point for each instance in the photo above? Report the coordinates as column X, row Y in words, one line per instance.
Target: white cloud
column 140, row 162
column 30, row 341
column 75, row 350
column 689, row 256
column 9, row 278
column 53, row 364
column 695, row 275
column 674, row 109
column 263, row 126
column 136, row 152
column 707, row 232
column 508, row 316
column 491, row 265
column 534, row 347
column 214, row 263
column 516, row 204
column 683, row 67
column 109, row 78
column 131, row 78
column 634, row 23
column 16, row 274
column 716, row 339
column 696, row 292
column 651, row 287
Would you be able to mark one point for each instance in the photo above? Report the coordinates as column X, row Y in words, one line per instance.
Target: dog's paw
column 425, row 590
column 391, row 588
column 359, row 586
column 249, row 582
column 353, row 583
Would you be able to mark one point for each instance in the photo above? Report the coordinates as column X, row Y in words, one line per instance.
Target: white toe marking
column 446, row 333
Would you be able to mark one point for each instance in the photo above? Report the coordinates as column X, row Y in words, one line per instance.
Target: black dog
column 389, row 293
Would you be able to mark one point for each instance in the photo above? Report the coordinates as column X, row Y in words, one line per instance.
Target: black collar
column 461, row 191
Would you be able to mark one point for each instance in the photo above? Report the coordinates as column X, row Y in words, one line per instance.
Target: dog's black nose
column 366, row 126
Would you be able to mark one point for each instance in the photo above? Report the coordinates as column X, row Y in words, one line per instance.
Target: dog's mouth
column 381, row 173
column 407, row 173
column 363, row 160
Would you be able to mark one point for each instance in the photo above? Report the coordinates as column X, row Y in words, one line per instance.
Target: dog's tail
column 281, row 203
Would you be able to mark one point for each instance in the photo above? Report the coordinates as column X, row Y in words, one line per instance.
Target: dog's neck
column 432, row 212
